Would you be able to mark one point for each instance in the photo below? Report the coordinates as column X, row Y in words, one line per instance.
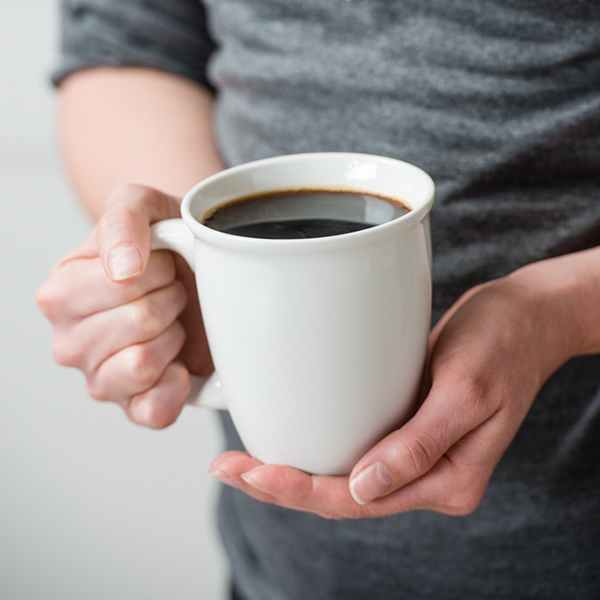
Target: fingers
column 483, row 381
column 455, row 485
column 160, row 406
column 327, row 496
column 123, row 233
column 122, row 330
column 90, row 342
column 136, row 368
column 451, row 411
column 440, row 460
column 457, row 482
column 285, row 486
column 80, row 287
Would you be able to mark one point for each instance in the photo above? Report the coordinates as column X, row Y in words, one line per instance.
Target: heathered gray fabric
column 149, row 33
column 500, row 102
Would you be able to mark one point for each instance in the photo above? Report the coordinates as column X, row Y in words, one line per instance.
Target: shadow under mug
column 318, row 344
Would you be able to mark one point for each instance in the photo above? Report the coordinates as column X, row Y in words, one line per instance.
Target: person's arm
column 134, row 140
column 490, row 355
column 134, row 125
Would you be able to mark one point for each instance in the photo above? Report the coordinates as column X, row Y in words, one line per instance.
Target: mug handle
column 173, row 234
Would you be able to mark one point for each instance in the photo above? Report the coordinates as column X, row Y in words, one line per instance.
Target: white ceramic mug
column 318, row 344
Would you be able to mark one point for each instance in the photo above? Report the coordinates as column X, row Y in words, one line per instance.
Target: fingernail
column 371, row 483
column 224, row 478
column 251, row 481
column 124, row 261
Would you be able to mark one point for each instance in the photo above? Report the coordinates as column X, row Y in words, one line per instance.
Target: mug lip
column 215, row 237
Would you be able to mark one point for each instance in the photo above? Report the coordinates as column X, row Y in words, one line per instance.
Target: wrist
column 563, row 299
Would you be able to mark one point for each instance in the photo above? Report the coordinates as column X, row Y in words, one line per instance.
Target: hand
column 120, row 313
column 489, row 356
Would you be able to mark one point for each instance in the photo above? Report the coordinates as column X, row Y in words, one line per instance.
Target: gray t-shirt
column 500, row 102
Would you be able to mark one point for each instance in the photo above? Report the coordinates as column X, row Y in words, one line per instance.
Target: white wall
column 91, row 506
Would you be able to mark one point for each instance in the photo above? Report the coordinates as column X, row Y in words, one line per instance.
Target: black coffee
column 297, row 214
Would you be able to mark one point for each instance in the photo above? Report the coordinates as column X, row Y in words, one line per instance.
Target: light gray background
column 91, row 506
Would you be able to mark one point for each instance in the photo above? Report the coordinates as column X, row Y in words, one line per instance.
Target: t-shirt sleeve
column 170, row 35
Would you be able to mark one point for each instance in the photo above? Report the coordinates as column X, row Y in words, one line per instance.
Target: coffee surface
column 299, row 214
column 297, row 229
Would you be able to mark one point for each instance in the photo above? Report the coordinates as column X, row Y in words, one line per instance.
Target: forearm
column 565, row 295
column 135, row 125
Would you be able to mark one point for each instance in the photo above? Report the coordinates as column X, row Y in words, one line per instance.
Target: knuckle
column 422, row 452
column 157, row 408
column 65, row 353
column 466, row 500
column 97, row 391
column 474, row 391
column 352, row 511
column 145, row 321
column 122, row 293
column 157, row 414
column 117, row 219
column 334, row 516
column 49, row 299
column 142, row 366
column 356, row 512
column 43, row 300
column 466, row 505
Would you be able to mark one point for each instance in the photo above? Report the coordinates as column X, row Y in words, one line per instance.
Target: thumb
column 123, row 233
column 446, row 416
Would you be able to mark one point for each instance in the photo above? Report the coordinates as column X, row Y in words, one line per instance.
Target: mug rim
column 410, row 219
